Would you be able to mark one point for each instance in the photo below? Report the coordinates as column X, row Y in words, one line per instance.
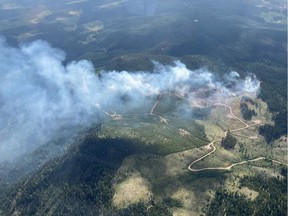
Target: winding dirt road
column 214, row 148
column 211, row 144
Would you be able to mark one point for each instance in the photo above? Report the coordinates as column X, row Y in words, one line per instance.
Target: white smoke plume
column 41, row 98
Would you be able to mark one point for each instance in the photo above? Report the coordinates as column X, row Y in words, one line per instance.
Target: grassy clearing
column 233, row 185
column 280, row 149
column 169, row 177
column 185, row 196
column 132, row 190
column 180, row 212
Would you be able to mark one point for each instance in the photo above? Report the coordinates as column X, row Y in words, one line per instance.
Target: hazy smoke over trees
column 41, row 98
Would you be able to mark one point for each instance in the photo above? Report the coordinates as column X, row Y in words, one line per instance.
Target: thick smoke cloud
column 42, row 99
column 39, row 96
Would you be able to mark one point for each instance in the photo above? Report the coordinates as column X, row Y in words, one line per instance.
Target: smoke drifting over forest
column 41, row 98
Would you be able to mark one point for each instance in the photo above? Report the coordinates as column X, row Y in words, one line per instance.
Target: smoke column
column 41, row 98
